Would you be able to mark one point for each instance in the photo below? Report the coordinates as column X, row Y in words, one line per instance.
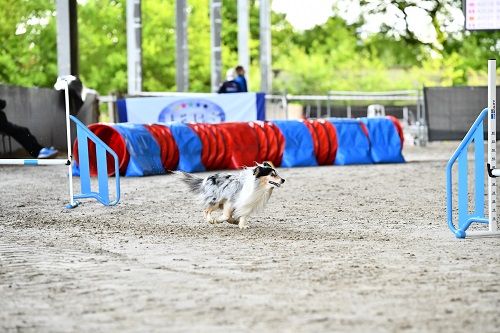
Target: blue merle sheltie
column 237, row 196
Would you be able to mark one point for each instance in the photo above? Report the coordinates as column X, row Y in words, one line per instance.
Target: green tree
column 331, row 56
column 158, row 45
column 28, row 47
column 103, row 45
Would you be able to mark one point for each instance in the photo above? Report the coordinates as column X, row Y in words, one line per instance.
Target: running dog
column 237, row 195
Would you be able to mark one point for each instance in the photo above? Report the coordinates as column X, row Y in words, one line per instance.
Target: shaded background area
column 452, row 110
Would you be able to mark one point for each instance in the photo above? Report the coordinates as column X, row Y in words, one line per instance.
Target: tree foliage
column 27, row 33
column 103, row 45
column 336, row 55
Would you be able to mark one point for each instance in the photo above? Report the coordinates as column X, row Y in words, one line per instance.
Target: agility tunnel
column 156, row 148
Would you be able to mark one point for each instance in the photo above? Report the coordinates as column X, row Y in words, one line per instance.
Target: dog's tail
column 194, row 183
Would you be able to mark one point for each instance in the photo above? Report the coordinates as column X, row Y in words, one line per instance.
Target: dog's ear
column 268, row 164
column 256, row 171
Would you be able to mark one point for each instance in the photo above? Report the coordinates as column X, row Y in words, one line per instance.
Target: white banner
column 189, row 107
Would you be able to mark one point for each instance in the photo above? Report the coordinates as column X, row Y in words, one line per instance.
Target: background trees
column 337, row 55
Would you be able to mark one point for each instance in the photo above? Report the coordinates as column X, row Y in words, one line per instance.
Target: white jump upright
column 62, row 83
column 492, row 147
column 475, row 136
column 85, row 134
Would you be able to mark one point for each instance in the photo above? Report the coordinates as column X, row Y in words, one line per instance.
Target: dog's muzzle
column 277, row 184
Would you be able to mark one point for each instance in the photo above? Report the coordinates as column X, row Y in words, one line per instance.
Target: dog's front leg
column 243, row 222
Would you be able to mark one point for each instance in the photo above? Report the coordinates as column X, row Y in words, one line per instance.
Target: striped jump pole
column 475, row 137
column 84, row 135
column 18, row 161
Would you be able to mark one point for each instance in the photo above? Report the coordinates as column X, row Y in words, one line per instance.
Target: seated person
column 24, row 136
column 230, row 85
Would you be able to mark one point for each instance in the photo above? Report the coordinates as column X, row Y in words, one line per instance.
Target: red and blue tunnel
column 155, row 148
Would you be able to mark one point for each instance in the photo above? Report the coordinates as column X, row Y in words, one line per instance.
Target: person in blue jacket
column 240, row 78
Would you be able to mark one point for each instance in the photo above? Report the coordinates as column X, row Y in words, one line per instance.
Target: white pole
column 215, row 44
column 68, row 136
column 265, row 46
column 181, row 46
column 134, row 46
column 243, row 32
column 492, row 131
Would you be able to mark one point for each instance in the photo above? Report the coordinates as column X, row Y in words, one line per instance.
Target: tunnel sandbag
column 168, row 148
column 114, row 140
column 353, row 142
column 242, row 143
column 144, row 150
column 190, row 147
column 299, row 146
column 385, row 142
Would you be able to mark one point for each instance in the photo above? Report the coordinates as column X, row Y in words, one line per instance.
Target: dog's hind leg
column 207, row 213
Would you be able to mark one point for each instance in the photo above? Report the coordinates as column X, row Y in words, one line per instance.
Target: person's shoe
column 48, row 152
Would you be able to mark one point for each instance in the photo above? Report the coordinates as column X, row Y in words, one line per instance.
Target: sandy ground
column 344, row 249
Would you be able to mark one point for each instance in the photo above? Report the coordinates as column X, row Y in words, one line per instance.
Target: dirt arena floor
column 338, row 249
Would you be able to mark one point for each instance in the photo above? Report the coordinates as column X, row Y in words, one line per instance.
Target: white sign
column 198, row 108
column 482, row 14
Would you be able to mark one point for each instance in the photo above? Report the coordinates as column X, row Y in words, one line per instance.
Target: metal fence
column 406, row 105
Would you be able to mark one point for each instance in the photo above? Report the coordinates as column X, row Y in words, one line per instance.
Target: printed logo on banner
column 192, row 110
